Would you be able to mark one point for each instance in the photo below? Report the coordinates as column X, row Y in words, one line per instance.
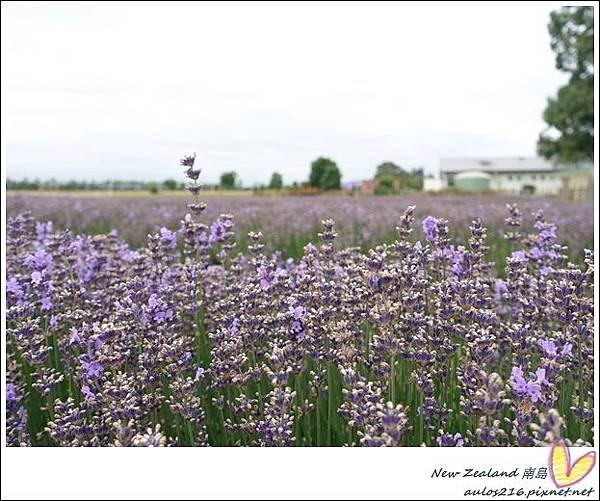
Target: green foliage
column 331, row 178
column 570, row 119
column 316, row 170
column 276, row 182
column 569, row 136
column 153, row 188
column 324, row 174
column 72, row 185
column 415, row 179
column 389, row 169
column 572, row 32
column 385, row 185
column 228, row 180
column 23, row 184
column 392, row 178
column 170, row 184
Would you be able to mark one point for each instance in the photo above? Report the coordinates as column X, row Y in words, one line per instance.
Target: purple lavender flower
column 168, row 237
column 430, row 225
column 43, row 230
column 519, row 255
column 457, row 257
column 186, row 358
column 548, row 346
column 566, row 350
column 541, row 377
column 449, row 440
column 217, row 231
column 536, row 253
column 522, row 387
column 265, row 277
column 13, row 286
column 200, row 372
column 11, row 394
column 87, row 392
column 74, row 337
column 500, row 288
column 47, row 304
column 36, row 277
column 551, row 350
column 163, row 316
column 298, row 311
column 93, row 369
column 153, row 301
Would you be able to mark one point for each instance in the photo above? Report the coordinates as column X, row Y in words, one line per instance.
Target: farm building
column 431, row 183
column 368, row 187
column 528, row 175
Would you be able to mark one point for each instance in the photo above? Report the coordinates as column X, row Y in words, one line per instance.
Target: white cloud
column 123, row 90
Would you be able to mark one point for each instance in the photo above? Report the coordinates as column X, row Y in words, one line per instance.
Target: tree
column 331, row 179
column 228, row 180
column 392, row 178
column 569, row 136
column 276, row 181
column 415, row 181
column 389, row 169
column 572, row 32
column 385, row 186
column 316, row 170
column 170, row 184
column 325, row 174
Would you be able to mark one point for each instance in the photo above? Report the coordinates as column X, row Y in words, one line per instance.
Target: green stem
column 393, row 379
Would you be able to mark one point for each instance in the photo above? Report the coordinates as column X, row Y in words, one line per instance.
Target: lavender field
column 380, row 321
column 289, row 223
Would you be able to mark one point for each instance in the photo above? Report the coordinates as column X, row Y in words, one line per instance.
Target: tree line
column 82, row 185
column 324, row 175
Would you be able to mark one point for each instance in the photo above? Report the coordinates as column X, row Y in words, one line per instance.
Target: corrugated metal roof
column 490, row 165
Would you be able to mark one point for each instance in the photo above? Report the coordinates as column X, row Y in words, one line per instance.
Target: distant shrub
column 276, row 181
column 170, row 184
column 228, row 180
column 385, row 186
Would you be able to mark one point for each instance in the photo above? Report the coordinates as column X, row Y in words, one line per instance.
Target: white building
column 508, row 174
column 432, row 184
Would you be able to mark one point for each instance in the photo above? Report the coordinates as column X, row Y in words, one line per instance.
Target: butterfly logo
column 565, row 473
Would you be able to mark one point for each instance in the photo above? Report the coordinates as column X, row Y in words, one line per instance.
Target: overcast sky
column 97, row 91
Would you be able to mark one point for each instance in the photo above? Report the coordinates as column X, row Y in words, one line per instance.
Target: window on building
column 542, row 177
column 534, row 177
column 450, row 180
column 509, row 177
column 518, row 177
